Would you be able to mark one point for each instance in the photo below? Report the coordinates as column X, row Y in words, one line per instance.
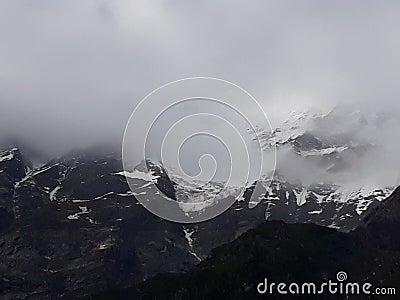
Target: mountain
column 289, row 253
column 328, row 163
column 332, row 141
column 72, row 227
column 381, row 225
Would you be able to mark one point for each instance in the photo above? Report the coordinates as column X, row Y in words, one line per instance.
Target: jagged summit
column 13, row 164
column 319, row 131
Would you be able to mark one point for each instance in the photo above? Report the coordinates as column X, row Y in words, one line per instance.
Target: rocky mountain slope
column 289, row 253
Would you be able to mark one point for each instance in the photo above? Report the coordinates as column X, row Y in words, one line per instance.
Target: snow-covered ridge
column 136, row 174
column 324, row 151
column 7, row 155
column 294, row 199
column 290, row 129
column 320, row 133
column 31, row 173
column 296, row 125
column 197, row 196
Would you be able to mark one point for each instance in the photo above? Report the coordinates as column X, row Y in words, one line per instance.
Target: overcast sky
column 71, row 72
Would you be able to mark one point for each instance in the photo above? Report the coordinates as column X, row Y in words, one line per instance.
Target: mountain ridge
column 282, row 253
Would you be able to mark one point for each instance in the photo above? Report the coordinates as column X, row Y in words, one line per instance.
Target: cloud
column 72, row 71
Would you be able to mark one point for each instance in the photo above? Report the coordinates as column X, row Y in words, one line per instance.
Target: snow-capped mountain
column 326, row 145
column 339, row 150
column 75, row 216
column 319, row 175
column 321, row 134
column 326, row 204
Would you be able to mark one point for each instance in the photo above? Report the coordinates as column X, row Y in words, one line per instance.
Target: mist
column 71, row 72
column 367, row 151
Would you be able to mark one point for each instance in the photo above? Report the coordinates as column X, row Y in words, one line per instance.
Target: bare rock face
column 72, row 226
column 381, row 225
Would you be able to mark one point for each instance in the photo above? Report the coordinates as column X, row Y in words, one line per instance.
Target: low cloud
column 71, row 72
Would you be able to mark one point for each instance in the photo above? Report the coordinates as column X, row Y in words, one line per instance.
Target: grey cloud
column 72, row 71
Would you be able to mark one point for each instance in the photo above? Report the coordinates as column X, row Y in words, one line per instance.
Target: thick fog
column 71, row 72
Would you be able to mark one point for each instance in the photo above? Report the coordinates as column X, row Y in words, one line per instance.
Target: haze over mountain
column 68, row 84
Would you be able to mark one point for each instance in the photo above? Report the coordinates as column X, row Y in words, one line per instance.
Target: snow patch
column 9, row 156
column 323, row 152
column 127, row 194
column 83, row 210
column 188, row 236
column 106, row 244
column 301, row 197
column 315, row 212
column 138, row 175
column 53, row 193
